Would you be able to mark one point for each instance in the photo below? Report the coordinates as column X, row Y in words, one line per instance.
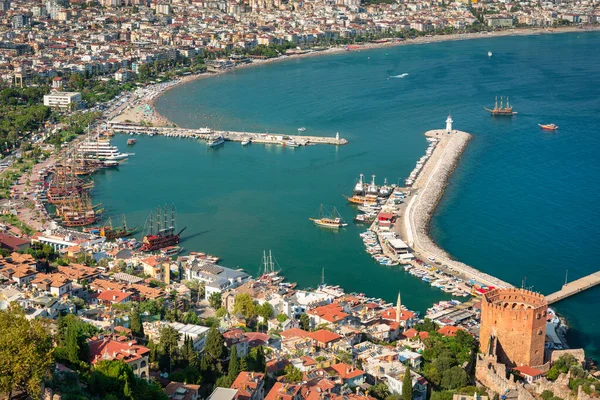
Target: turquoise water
column 522, row 201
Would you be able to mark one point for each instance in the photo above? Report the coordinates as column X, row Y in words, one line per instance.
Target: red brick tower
column 513, row 326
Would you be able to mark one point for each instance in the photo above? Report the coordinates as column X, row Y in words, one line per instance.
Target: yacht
column 246, row 141
column 101, row 149
column 216, row 141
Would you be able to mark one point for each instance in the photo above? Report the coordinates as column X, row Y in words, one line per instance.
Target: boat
column 110, row 163
column 359, row 188
column 216, row 141
column 364, row 218
column 548, row 127
column 290, row 143
column 100, row 149
column 246, row 141
column 356, row 199
column 110, row 233
column 328, row 219
column 170, row 251
column 131, row 142
column 301, row 129
column 489, row 53
column 501, row 110
column 161, row 234
column 372, row 189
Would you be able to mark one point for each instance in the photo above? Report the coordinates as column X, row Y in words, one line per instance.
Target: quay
column 572, row 288
column 207, row 134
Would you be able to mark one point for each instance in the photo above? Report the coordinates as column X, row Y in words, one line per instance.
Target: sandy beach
column 140, row 108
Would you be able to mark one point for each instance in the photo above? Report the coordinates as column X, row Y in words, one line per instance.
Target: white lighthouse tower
column 449, row 124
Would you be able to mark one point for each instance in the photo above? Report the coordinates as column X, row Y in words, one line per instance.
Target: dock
column 232, row 136
column 572, row 288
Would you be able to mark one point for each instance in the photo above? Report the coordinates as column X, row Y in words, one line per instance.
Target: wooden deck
column 572, row 288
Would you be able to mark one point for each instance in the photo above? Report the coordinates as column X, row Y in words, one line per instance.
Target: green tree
column 265, row 310
column 72, row 340
column 407, row 385
column 305, row 322
column 168, row 344
column 135, row 323
column 454, row 378
column 379, row 390
column 292, row 374
column 234, row 364
column 26, row 353
column 188, row 353
column 221, row 312
column 215, row 300
column 115, row 379
column 215, row 345
column 244, row 305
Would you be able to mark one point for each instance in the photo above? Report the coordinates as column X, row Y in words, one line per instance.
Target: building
column 13, row 243
column 513, row 326
column 63, row 100
column 217, row 278
column 182, row 391
column 249, row 386
column 223, row 394
column 531, row 375
column 467, row 397
column 128, row 351
column 21, row 21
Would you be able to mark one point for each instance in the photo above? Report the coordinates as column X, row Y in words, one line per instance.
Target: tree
column 265, row 310
column 234, row 364
column 454, row 378
column 221, row 312
column 215, row 345
column 188, row 353
column 292, row 374
column 379, row 390
column 72, row 344
column 135, row 323
column 407, row 385
column 305, row 322
column 168, row 344
column 26, row 353
column 215, row 300
column 115, row 379
column 244, row 305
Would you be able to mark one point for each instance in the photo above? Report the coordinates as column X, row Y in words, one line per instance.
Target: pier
column 572, row 288
column 207, row 134
column 426, row 191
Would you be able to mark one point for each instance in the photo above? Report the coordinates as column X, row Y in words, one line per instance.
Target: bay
column 522, row 202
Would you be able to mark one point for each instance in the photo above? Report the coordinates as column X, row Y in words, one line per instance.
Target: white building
column 63, row 100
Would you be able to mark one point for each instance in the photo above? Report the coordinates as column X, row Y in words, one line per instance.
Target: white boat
column 246, row 141
column 329, row 219
column 100, row 149
column 216, row 141
column 170, row 251
column 301, row 129
column 489, row 53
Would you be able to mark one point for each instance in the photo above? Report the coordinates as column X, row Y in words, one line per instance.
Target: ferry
column 548, row 127
column 216, row 141
column 501, row 111
column 170, row 251
column 100, row 149
column 328, row 220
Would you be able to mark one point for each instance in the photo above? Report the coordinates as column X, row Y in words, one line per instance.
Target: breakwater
column 428, row 190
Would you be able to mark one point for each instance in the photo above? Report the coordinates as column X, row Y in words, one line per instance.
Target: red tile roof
column 293, row 333
column 114, row 296
column 246, row 384
column 346, row 371
column 529, row 371
column 109, row 349
column 323, row 336
column 282, row 391
column 449, row 330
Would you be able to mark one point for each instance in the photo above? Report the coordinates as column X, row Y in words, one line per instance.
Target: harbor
column 242, row 137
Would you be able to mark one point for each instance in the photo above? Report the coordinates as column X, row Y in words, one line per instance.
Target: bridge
column 572, row 288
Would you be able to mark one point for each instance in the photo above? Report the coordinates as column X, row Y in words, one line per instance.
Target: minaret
column 398, row 308
column 449, row 124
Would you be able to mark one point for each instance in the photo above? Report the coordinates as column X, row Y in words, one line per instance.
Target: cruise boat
column 548, row 127
column 328, row 219
column 101, row 149
column 216, row 141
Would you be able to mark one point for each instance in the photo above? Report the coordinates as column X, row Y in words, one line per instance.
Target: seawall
column 428, row 190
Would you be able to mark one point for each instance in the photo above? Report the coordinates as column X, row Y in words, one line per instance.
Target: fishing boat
column 548, row 127
column 359, row 188
column 216, row 141
column 161, row 234
column 501, row 110
column 372, row 189
column 246, row 141
column 131, row 142
column 328, row 219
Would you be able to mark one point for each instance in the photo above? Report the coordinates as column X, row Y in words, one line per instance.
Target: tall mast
column 496, row 104
column 323, row 276
column 265, row 262
column 507, row 102
column 173, row 216
column 158, row 219
column 124, row 222
column 272, row 267
column 501, row 102
column 165, row 216
column 151, row 230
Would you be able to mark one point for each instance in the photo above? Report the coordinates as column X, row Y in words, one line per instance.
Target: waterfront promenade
column 426, row 193
column 207, row 134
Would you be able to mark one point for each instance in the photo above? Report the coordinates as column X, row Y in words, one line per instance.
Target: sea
column 521, row 205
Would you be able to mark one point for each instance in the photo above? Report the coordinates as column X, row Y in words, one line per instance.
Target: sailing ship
column 160, row 233
column 109, row 232
column 548, row 127
column 501, row 110
column 78, row 211
column 328, row 219
column 267, row 272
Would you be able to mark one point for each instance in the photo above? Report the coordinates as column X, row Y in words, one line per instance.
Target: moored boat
column 246, row 141
column 216, row 141
column 328, row 219
column 160, row 235
column 170, row 251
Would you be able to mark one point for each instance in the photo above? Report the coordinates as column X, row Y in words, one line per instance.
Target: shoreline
column 367, row 46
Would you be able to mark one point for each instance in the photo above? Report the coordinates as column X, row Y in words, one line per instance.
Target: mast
column 323, row 276
column 173, row 216
column 151, row 220
column 507, row 102
column 264, row 262
column 271, row 265
column 165, row 215
column 501, row 102
column 496, row 104
column 124, row 221
column 158, row 219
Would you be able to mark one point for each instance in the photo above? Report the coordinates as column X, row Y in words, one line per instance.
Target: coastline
column 367, row 46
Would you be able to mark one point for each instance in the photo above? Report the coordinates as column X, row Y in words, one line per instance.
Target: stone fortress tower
column 513, row 326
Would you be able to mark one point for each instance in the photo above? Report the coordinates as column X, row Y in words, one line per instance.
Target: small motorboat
column 548, row 127
column 301, row 129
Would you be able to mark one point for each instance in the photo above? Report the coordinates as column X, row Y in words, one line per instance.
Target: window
column 143, row 364
column 134, row 367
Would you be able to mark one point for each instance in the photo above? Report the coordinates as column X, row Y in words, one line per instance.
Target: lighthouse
column 449, row 124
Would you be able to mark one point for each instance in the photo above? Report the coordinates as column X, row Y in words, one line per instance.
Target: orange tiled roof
column 294, row 333
column 324, row 336
column 346, row 371
column 109, row 349
column 448, row 330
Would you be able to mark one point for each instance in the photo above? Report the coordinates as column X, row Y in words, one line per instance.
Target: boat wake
column 401, row 76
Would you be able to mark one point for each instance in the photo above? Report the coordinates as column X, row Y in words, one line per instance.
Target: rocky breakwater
column 429, row 189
